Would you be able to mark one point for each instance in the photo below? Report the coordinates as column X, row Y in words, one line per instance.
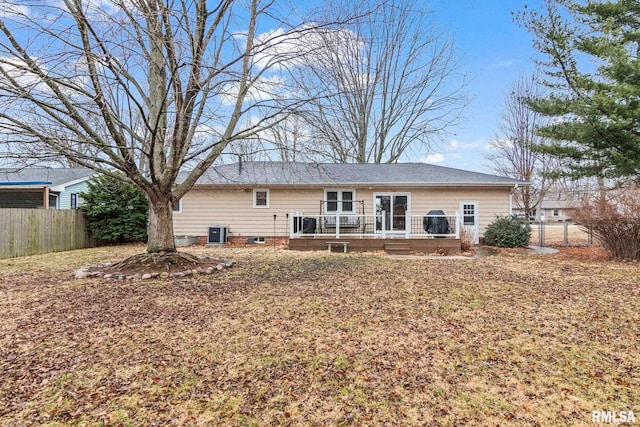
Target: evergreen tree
column 593, row 72
column 117, row 210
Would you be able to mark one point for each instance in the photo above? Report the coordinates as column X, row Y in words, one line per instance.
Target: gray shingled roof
column 404, row 174
column 55, row 176
column 560, row 204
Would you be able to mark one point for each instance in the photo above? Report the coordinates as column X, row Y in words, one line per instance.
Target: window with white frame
column 260, row 198
column 556, row 212
column 469, row 214
column 339, row 201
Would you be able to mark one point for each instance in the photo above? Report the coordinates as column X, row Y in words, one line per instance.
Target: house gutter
column 352, row 184
column 7, row 184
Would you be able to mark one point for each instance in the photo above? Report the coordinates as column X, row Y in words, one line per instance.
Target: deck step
column 397, row 249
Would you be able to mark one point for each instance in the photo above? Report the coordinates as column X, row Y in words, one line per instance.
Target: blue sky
column 494, row 51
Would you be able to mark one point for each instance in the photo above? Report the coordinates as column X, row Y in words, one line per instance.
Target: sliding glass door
column 393, row 207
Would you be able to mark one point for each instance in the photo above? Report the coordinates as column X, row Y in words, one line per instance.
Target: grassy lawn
column 288, row 338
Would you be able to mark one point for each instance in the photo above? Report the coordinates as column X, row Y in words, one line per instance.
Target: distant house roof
column 560, row 204
column 43, row 176
column 378, row 174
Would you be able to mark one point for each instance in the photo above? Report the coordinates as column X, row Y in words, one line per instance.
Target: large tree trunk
column 160, row 228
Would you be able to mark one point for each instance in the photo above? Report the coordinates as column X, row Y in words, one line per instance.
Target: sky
column 494, row 51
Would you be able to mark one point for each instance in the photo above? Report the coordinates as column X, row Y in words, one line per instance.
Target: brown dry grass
column 321, row 339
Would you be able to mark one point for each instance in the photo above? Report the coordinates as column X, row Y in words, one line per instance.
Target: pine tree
column 592, row 69
column 117, row 210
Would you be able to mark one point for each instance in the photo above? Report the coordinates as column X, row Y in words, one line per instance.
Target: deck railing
column 374, row 226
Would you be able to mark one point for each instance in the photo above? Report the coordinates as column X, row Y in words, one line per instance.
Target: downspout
column 515, row 187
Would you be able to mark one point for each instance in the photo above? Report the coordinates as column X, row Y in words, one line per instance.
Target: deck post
column 458, row 222
column 407, row 226
column 337, row 225
column 384, row 224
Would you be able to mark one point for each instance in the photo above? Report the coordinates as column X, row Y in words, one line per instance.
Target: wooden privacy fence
column 38, row 231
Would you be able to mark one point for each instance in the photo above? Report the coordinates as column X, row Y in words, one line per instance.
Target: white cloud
column 456, row 145
column 499, row 143
column 433, row 158
column 263, row 89
column 304, row 45
column 10, row 10
column 16, row 69
column 505, row 63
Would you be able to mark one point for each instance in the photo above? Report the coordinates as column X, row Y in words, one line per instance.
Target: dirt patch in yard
column 583, row 254
column 163, row 264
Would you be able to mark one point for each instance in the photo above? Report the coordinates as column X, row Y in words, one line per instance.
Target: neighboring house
column 558, row 210
column 256, row 201
column 49, row 188
column 553, row 211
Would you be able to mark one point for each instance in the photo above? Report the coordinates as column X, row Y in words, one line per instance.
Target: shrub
column 116, row 210
column 507, row 232
column 615, row 223
column 465, row 240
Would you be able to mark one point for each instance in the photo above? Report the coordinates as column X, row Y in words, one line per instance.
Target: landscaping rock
column 133, row 268
column 81, row 274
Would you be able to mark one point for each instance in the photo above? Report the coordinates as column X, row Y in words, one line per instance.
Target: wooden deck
column 427, row 246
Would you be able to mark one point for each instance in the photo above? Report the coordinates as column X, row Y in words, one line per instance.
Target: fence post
column 566, row 233
column 541, row 233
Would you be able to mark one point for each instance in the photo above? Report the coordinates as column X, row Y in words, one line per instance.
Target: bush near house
column 117, row 210
column 507, row 232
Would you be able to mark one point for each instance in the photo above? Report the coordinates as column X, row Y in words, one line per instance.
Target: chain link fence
column 560, row 234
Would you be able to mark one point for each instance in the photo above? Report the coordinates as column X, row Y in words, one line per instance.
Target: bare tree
column 513, row 151
column 146, row 87
column 388, row 81
column 288, row 140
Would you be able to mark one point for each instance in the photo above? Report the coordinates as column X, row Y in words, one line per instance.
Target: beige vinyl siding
column 202, row 208
column 491, row 201
column 205, row 207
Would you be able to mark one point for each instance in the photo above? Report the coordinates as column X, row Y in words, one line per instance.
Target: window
column 339, row 201
column 177, row 207
column 469, row 214
column 556, row 212
column 76, row 201
column 260, row 198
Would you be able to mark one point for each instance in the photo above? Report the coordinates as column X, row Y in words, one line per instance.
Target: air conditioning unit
column 217, row 235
